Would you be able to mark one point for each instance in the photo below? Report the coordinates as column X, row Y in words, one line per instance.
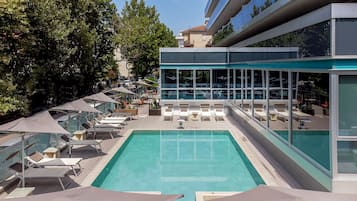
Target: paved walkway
column 271, row 172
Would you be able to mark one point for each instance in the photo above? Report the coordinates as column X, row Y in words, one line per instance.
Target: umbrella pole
column 23, row 159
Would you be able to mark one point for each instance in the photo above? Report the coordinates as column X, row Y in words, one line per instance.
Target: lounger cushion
column 37, row 156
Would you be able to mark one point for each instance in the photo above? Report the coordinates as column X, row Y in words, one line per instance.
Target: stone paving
column 272, row 173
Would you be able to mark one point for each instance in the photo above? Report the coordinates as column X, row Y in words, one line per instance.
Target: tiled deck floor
column 266, row 166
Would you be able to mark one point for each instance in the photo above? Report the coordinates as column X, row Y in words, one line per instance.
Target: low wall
column 284, row 157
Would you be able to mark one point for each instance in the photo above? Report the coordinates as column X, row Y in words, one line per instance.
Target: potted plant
column 155, row 108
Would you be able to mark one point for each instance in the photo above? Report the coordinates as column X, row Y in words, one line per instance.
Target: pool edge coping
column 91, row 177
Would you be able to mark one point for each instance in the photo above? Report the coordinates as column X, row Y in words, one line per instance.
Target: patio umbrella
column 285, row 194
column 122, row 90
column 75, row 106
column 41, row 122
column 93, row 194
column 142, row 83
column 100, row 97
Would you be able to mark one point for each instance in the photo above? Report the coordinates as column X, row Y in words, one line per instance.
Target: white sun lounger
column 184, row 113
column 42, row 173
column 69, row 162
column 259, row 112
column 219, row 112
column 168, row 114
column 205, row 112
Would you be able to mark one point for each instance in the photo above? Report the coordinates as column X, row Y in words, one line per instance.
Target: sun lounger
column 38, row 160
column 96, row 144
column 184, row 111
column 105, row 128
column 281, row 110
column 219, row 112
column 168, row 114
column 40, row 173
column 259, row 112
column 205, row 112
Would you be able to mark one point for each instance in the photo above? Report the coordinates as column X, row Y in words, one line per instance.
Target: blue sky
column 178, row 15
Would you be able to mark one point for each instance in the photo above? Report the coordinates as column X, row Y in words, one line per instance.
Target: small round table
column 180, row 122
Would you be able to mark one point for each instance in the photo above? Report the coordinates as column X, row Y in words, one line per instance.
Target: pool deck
column 93, row 163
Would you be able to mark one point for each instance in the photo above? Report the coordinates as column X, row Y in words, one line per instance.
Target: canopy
column 95, row 194
column 78, row 105
column 122, row 90
column 100, row 97
column 140, row 82
column 285, row 194
column 41, row 122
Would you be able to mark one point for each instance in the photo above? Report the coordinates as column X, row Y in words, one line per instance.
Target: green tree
column 140, row 35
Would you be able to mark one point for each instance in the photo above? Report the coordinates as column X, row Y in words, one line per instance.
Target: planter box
column 133, row 112
column 155, row 112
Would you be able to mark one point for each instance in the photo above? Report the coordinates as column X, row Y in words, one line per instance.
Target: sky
column 178, row 15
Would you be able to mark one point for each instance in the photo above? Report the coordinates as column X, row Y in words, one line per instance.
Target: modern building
column 287, row 69
column 196, row 37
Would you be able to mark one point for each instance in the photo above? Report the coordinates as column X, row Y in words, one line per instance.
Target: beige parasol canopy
column 96, row 194
column 100, row 97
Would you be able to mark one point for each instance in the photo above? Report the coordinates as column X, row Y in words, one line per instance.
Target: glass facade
column 312, row 41
column 169, row 78
column 346, row 31
column 347, row 134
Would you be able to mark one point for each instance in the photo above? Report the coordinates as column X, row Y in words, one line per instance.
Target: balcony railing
column 217, row 11
column 249, row 11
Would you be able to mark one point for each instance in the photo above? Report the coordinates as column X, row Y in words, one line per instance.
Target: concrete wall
column 298, row 173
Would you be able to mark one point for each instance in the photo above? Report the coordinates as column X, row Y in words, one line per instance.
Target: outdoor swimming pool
column 179, row 162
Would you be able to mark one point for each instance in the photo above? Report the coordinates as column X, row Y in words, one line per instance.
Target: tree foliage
column 140, row 35
column 53, row 51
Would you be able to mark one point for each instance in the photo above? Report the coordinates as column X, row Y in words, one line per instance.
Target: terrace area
column 272, row 172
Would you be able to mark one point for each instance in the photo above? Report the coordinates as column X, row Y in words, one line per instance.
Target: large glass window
column 348, row 105
column 203, row 94
column 231, row 83
column 203, row 79
column 186, row 94
column 238, row 78
column 186, row 78
column 346, row 31
column 220, row 94
column 312, row 41
column 169, row 94
column 347, row 156
column 220, row 79
column 168, row 78
column 274, row 79
column 258, row 78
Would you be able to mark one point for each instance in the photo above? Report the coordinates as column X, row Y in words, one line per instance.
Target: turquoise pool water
column 180, row 162
column 314, row 143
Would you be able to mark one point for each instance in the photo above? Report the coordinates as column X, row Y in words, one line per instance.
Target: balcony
column 211, row 5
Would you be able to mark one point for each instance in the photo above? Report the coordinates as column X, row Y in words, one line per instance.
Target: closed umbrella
column 41, row 122
column 95, row 194
column 286, row 194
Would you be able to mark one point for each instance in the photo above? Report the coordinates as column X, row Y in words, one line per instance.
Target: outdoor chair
column 259, row 112
column 38, row 160
column 168, row 114
column 205, row 112
column 219, row 112
column 39, row 173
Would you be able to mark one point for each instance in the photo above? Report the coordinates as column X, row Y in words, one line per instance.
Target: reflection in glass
column 203, row 79
column 259, row 94
column 258, row 78
column 238, row 78
column 168, row 78
column 312, row 41
column 348, row 105
column 231, row 84
column 310, row 118
column 203, row 94
column 347, row 156
column 274, row 79
column 186, row 94
column 220, row 79
column 168, row 94
column 186, row 79
column 220, row 94
column 248, row 76
column 238, row 94
column 275, row 94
